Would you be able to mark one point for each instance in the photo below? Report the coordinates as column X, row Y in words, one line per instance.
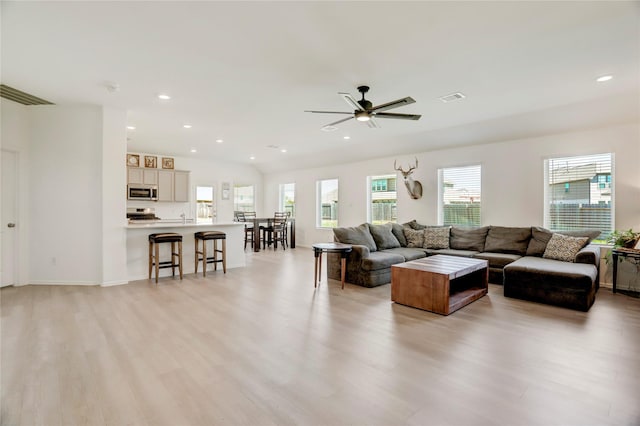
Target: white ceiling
column 246, row 71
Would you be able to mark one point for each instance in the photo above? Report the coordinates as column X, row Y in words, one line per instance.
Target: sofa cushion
column 497, row 260
column 383, row 236
column 436, row 238
column 381, row 260
column 359, row 235
column 564, row 247
column 541, row 236
column 414, row 238
column 468, row 238
column 397, row 230
column 414, row 225
column 451, row 252
column 408, row 253
column 502, row 239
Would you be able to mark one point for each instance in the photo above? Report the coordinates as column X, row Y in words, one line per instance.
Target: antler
column 397, row 168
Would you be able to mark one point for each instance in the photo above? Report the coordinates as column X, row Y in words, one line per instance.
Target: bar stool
column 154, row 252
column 201, row 255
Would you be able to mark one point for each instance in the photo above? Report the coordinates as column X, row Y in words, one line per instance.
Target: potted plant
column 625, row 239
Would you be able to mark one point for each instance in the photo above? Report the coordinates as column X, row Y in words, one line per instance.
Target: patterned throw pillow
column 414, row 238
column 436, row 238
column 563, row 247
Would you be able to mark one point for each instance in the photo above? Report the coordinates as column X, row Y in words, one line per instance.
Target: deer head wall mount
column 413, row 186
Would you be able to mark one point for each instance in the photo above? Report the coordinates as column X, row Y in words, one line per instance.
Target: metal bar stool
column 201, row 255
column 154, row 253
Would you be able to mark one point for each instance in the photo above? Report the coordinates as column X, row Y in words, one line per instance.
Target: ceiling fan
column 366, row 112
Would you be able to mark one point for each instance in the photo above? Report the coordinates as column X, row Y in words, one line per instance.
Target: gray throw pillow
column 414, row 237
column 563, row 247
column 468, row 238
column 383, row 236
column 501, row 239
column 396, row 228
column 358, row 235
column 436, row 238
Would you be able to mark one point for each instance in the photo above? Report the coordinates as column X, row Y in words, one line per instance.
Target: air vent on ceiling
column 452, row 97
column 21, row 97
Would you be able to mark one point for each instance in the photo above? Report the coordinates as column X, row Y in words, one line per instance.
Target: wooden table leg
column 320, row 267
column 315, row 272
column 343, row 268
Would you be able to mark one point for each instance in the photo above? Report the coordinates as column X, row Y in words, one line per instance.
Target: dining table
column 291, row 223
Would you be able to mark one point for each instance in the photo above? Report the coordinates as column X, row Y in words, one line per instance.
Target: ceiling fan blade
column 394, row 104
column 373, row 123
column 351, row 101
column 397, row 116
column 329, row 112
column 338, row 122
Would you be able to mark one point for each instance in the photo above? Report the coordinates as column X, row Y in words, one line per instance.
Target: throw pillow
column 383, row 236
column 397, row 230
column 358, row 235
column 541, row 236
column 414, row 238
column 436, row 238
column 502, row 239
column 563, row 247
column 415, row 225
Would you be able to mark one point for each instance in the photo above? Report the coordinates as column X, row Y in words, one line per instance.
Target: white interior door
column 8, row 219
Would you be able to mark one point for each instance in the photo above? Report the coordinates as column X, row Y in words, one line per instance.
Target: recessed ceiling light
column 219, row 140
column 131, row 127
column 193, row 150
column 346, row 137
column 604, row 78
column 164, row 96
column 187, row 126
column 252, row 158
column 283, row 150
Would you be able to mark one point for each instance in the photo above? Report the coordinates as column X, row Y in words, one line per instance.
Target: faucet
column 184, row 218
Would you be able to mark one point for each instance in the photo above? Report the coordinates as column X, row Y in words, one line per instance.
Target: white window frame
column 253, row 190
column 441, row 193
column 281, row 198
column 319, row 203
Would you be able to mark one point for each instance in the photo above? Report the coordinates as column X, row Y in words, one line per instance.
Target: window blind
column 579, row 193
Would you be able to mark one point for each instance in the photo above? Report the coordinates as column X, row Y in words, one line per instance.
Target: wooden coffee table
column 440, row 284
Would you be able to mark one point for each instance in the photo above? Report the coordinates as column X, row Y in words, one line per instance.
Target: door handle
column 11, row 225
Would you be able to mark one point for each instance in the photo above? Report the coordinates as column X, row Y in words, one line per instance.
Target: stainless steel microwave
column 142, row 192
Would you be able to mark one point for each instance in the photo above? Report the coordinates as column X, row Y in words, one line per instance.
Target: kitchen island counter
column 138, row 246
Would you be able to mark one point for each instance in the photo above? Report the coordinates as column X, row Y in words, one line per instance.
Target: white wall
column 512, row 181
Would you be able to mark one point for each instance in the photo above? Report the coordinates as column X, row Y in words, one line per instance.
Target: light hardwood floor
column 258, row 346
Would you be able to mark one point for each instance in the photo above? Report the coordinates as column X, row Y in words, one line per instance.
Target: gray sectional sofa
column 532, row 263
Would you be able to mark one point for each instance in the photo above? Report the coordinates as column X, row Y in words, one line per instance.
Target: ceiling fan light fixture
column 362, row 116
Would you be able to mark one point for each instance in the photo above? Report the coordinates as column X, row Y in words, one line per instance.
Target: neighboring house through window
column 460, row 195
column 579, row 193
column 327, row 203
column 383, row 199
column 244, row 198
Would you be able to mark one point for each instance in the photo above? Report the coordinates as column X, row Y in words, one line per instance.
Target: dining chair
column 249, row 233
column 277, row 230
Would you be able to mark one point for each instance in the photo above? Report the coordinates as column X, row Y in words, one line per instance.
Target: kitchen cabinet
column 173, row 185
column 139, row 175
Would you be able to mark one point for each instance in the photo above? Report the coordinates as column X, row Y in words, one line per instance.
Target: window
column 383, row 199
column 327, row 203
column 288, row 198
column 243, row 198
column 460, row 196
column 578, row 193
column 205, row 208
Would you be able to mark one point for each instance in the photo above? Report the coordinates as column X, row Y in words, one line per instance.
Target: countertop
column 179, row 224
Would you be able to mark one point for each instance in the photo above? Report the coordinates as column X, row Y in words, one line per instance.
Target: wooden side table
column 634, row 255
column 319, row 248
